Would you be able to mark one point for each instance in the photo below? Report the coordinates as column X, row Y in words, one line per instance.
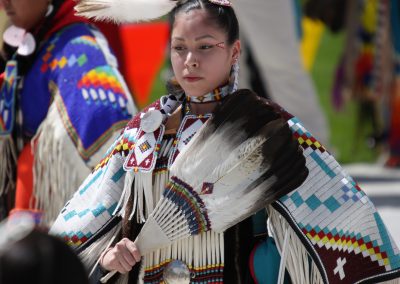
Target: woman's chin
column 196, row 94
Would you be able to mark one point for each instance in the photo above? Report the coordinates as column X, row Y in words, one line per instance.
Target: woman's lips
column 192, row 78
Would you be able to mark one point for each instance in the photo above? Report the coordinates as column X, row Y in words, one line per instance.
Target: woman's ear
column 236, row 50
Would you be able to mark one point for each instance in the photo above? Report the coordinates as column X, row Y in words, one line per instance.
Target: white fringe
column 8, row 157
column 59, row 170
column 146, row 187
column 123, row 279
column 140, row 185
column 204, row 250
column 295, row 257
column 198, row 251
column 90, row 256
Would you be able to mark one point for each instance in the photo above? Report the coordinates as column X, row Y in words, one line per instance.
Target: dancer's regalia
column 326, row 228
column 67, row 110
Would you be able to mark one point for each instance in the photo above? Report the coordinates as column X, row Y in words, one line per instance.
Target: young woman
column 132, row 177
column 60, row 80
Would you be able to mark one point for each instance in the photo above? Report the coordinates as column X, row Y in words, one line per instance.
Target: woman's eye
column 206, row 46
column 178, row 48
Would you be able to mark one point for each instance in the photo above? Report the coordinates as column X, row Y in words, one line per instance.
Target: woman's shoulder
column 136, row 119
column 76, row 38
column 171, row 125
column 76, row 49
column 274, row 106
column 72, row 31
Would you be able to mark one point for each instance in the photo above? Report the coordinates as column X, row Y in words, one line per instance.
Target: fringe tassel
column 140, row 185
column 58, row 168
column 200, row 253
column 295, row 257
column 147, row 188
column 8, row 159
column 90, row 256
column 123, row 279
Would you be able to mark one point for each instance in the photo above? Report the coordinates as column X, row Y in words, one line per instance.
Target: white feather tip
column 124, row 11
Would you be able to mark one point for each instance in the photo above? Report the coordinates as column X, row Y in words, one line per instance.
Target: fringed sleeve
column 327, row 230
column 89, row 106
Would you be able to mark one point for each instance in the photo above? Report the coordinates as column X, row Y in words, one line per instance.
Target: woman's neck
column 204, row 108
column 206, row 104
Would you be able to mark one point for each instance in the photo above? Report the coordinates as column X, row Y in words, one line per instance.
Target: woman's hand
column 122, row 257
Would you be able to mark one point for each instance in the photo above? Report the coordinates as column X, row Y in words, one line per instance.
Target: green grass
column 158, row 88
column 346, row 144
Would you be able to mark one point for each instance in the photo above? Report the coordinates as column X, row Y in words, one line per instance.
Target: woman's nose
column 191, row 60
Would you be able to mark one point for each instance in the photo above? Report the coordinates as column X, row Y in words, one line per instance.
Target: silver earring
column 50, row 9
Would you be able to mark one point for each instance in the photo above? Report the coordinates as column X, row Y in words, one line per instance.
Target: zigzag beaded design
column 122, row 146
column 102, row 78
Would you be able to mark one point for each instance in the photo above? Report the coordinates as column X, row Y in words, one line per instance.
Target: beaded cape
column 339, row 235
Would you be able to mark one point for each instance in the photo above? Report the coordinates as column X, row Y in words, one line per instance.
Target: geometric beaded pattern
column 93, row 204
column 347, row 241
column 188, row 128
column 122, row 146
column 101, row 86
column 85, row 85
column 126, row 143
column 143, row 154
column 337, row 217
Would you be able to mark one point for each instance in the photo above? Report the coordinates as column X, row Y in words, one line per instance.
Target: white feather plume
column 124, row 11
column 241, row 160
column 227, row 153
column 235, row 172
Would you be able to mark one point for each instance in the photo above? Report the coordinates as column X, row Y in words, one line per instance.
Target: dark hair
column 224, row 16
column 41, row 259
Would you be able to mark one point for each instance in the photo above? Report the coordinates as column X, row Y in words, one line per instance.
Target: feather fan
column 124, row 11
column 241, row 160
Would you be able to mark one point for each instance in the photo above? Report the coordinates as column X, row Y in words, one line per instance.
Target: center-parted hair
column 223, row 16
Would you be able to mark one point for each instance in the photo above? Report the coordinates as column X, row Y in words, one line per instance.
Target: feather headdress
column 241, row 160
column 128, row 11
column 124, row 11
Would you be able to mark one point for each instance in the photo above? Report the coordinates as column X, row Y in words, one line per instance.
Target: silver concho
column 176, row 272
column 151, row 121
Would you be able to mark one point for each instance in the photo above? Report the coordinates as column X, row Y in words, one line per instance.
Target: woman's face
column 25, row 14
column 200, row 55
